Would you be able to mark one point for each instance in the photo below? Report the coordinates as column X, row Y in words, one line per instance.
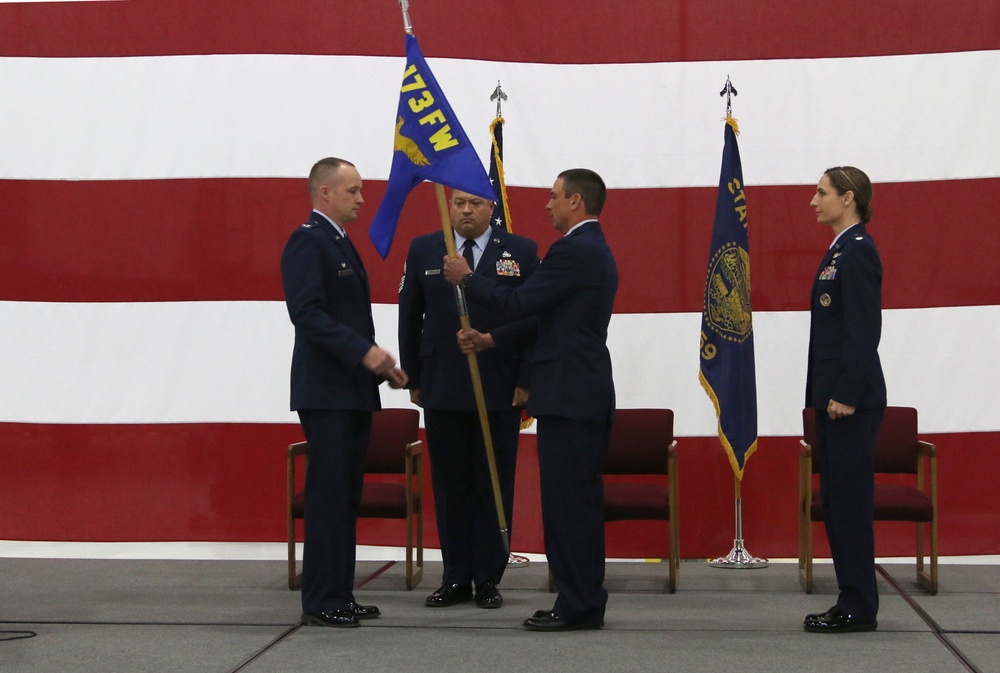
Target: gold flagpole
column 477, row 384
column 463, row 314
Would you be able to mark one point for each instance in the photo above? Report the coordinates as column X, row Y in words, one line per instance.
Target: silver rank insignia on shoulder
column 505, row 254
column 308, row 225
column 859, row 237
column 824, row 299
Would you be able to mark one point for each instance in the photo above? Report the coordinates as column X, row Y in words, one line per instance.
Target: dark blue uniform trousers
column 846, row 449
column 338, row 444
column 570, row 458
column 471, row 545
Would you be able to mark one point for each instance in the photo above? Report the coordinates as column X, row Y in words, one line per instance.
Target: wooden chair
column 642, row 461
column 897, row 451
column 392, row 450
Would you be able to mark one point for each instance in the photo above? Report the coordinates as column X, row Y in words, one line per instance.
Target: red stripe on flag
column 564, row 32
column 226, row 482
column 220, row 239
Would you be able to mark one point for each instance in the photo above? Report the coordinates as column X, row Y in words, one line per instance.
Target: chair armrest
column 298, row 449
column 414, row 458
column 294, row 451
column 805, row 449
column 672, row 458
column 805, row 465
column 927, row 470
column 805, row 485
column 414, row 448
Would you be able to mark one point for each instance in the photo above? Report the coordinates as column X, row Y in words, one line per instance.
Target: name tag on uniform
column 432, row 272
column 508, row 267
column 346, row 272
column 829, row 273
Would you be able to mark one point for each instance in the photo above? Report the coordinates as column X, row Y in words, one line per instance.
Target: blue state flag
column 727, row 361
column 429, row 145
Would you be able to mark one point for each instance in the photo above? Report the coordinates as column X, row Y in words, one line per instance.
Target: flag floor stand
column 739, row 558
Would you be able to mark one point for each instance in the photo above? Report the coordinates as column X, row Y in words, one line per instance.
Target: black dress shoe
column 364, row 611
column 488, row 596
column 546, row 620
column 816, row 615
column 838, row 621
column 448, row 595
column 335, row 618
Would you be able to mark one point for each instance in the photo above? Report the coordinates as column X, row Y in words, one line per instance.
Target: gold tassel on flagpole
column 731, row 120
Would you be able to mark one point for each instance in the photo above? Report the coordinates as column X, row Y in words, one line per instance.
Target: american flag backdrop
column 152, row 163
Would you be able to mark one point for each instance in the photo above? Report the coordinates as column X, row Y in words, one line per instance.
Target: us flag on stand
column 501, row 211
column 501, row 214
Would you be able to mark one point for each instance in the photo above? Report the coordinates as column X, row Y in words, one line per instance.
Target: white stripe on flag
column 653, row 124
column 228, row 362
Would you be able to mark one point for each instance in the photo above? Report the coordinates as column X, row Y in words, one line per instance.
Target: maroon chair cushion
column 378, row 501
column 384, row 501
column 636, row 501
column 893, row 502
column 901, row 503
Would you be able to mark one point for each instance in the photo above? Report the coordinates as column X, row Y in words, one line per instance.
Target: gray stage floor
column 223, row 616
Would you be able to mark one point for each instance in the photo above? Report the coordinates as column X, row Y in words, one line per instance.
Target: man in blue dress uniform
column 468, row 528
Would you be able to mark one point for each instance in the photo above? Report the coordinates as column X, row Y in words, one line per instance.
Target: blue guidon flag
column 727, row 362
column 429, row 144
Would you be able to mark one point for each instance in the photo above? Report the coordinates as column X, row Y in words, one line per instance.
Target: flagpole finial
column 728, row 91
column 404, row 5
column 499, row 96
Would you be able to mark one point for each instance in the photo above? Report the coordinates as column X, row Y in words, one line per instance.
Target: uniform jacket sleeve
column 861, row 271
column 412, row 305
column 309, row 306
